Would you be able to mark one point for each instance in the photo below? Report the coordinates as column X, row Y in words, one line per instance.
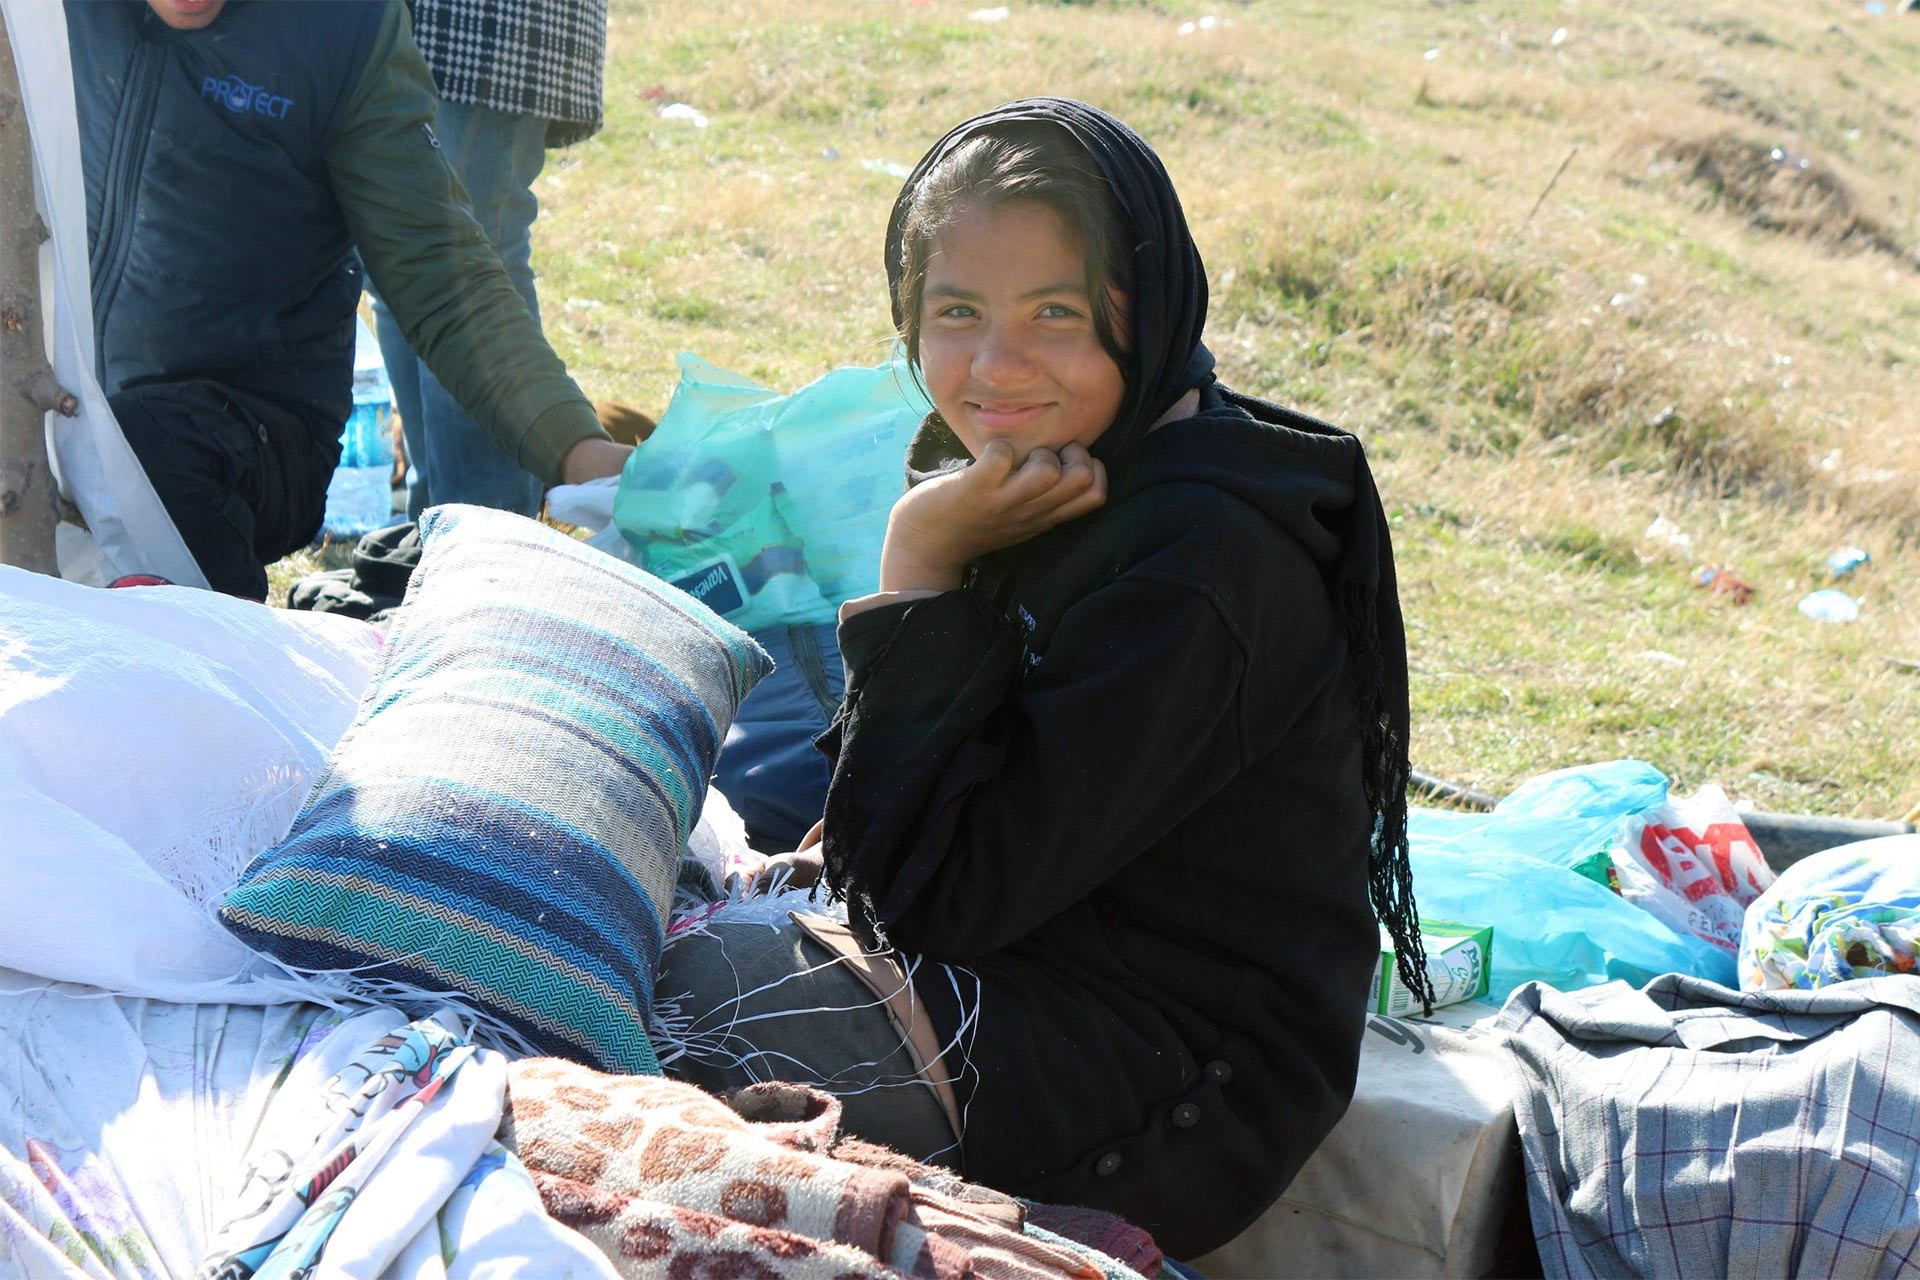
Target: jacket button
column 1219, row 1072
column 1186, row 1115
column 1107, row 1165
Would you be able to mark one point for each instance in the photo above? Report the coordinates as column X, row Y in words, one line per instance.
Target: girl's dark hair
column 1023, row 161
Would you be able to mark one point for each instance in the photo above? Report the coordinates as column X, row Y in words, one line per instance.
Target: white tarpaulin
column 131, row 532
column 1421, row 1177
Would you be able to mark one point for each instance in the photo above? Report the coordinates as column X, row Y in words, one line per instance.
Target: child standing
column 1120, row 772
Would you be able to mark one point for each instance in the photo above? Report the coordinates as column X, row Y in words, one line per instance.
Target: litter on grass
column 1830, row 605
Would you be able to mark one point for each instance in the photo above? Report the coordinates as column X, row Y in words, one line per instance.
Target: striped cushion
column 506, row 815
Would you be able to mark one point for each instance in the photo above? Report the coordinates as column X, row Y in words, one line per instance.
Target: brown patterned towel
column 1097, row 1229
column 986, row 1222
column 1103, row 1232
column 984, row 1202
column 671, row 1181
column 653, row 1171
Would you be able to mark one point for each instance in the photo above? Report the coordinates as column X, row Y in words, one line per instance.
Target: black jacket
column 1117, row 777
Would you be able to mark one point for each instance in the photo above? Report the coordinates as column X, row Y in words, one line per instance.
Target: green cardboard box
column 1459, row 961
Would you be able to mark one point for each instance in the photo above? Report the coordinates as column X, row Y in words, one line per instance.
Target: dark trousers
column 755, row 1003
column 244, row 479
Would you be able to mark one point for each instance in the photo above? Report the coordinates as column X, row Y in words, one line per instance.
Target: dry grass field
column 1566, row 265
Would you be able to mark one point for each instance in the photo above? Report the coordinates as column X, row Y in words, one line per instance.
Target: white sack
column 152, row 741
column 92, row 460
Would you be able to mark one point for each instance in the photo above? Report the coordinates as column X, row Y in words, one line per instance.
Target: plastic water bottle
column 360, row 495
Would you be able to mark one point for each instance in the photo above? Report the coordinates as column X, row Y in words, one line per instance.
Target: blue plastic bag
column 1527, row 869
column 771, row 509
column 1568, row 817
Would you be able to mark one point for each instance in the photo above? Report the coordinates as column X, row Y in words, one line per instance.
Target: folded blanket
column 1105, row 1233
column 1113, row 1246
column 667, row 1178
column 650, row 1168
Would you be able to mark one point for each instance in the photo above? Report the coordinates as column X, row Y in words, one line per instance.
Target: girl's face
column 1008, row 349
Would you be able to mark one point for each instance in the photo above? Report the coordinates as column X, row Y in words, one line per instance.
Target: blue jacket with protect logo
column 230, row 174
column 218, row 247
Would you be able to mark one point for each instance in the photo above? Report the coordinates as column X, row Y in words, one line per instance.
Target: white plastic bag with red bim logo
column 1693, row 864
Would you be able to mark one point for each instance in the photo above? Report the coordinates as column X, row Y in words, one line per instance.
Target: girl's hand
column 803, row 870
column 938, row 528
column 803, row 865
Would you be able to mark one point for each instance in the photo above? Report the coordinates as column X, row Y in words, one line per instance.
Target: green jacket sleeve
column 435, row 268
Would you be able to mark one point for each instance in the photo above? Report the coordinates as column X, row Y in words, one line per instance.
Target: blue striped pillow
column 506, row 815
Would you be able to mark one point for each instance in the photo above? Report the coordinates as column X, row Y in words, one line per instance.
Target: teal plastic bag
column 1529, row 870
column 771, row 509
column 1569, row 817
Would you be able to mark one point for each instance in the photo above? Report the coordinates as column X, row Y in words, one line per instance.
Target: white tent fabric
column 130, row 529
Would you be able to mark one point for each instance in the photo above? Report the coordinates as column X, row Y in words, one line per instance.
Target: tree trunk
column 27, row 387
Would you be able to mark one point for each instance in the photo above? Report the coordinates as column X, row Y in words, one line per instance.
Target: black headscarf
column 1168, row 306
column 1167, row 310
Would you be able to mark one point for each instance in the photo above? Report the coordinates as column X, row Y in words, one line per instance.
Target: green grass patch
column 1671, row 329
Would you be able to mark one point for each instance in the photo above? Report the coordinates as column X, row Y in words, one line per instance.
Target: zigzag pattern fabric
column 506, row 816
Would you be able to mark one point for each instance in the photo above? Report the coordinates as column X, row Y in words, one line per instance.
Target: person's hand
column 803, row 868
column 593, row 458
column 937, row 528
column 803, row 865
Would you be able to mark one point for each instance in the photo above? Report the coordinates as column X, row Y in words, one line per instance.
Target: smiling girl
column 1119, row 780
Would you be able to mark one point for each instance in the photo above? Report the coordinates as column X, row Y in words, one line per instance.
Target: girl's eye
column 956, row 311
column 1058, row 311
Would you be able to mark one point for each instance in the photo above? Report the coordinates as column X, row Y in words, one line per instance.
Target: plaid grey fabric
column 1689, row 1130
column 531, row 57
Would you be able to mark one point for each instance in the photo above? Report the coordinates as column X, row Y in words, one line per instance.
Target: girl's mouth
column 1005, row 417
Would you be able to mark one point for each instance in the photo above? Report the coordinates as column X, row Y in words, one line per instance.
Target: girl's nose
column 1002, row 357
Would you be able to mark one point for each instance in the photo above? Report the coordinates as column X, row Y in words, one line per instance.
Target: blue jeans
column 496, row 155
